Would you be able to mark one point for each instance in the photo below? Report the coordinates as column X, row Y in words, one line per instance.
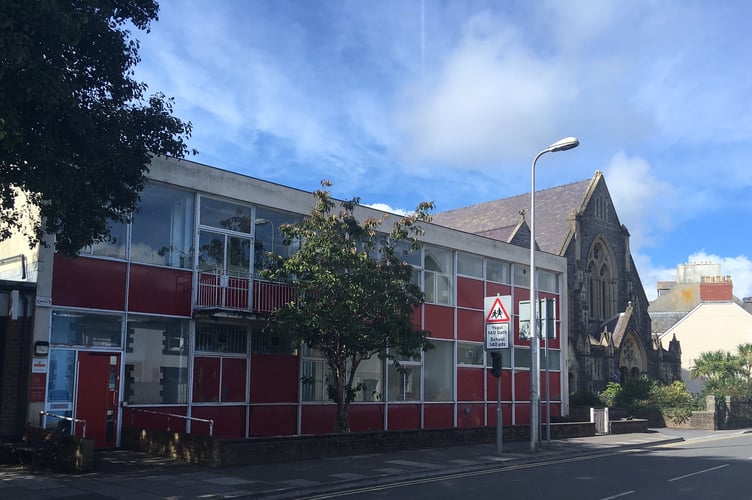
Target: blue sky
column 403, row 101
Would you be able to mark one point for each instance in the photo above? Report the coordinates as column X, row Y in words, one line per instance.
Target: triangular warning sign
column 497, row 314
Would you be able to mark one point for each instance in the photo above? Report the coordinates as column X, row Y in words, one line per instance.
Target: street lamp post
column 535, row 420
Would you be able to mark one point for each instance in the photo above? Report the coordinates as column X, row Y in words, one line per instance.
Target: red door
column 97, row 399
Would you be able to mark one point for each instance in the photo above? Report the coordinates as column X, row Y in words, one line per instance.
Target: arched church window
column 601, row 282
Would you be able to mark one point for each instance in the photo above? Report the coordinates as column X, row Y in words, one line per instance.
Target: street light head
column 564, row 144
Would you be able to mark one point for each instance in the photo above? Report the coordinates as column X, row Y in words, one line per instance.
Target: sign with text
column 497, row 320
column 497, row 336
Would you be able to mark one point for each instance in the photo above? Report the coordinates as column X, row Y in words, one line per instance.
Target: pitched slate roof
column 500, row 219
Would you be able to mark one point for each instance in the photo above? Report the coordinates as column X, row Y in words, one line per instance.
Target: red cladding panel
column 521, row 386
column 366, row 417
column 506, row 386
column 470, row 384
column 522, row 413
column 274, row 420
column 233, row 380
column 159, row 290
column 88, row 282
column 229, row 421
column 404, row 417
column 205, row 380
column 493, row 289
column 506, row 414
column 438, row 416
column 470, row 325
column 469, row 293
column 470, row 415
column 135, row 419
column 274, row 378
column 555, row 391
column 318, row 419
column 439, row 321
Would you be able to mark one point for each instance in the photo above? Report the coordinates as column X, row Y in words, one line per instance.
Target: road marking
column 619, row 495
column 698, row 472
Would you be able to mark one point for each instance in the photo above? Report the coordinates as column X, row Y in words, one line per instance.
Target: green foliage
column 77, row 132
column 354, row 296
column 641, row 395
column 611, row 394
column 726, row 374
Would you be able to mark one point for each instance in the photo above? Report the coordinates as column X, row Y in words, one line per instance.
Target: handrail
column 168, row 415
column 43, row 413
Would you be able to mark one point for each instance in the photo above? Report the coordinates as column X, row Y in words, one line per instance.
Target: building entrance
column 98, row 396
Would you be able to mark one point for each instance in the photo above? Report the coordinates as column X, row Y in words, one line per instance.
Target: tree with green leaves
column 715, row 366
column 77, row 132
column 355, row 298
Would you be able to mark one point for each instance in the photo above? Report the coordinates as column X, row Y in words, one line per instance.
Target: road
column 705, row 467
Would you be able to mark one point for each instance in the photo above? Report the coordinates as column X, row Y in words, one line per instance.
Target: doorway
column 98, row 396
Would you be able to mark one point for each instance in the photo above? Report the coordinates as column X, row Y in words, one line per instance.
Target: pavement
column 124, row 474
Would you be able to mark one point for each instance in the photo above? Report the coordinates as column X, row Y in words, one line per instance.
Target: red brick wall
column 715, row 292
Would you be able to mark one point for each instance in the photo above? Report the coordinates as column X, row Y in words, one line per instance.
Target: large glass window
column 521, row 275
column 370, row 374
column 156, row 361
column 114, row 246
column 497, row 270
column 439, row 372
column 470, row 353
column 548, row 281
column 268, row 243
column 162, row 229
column 470, row 265
column 438, row 275
column 92, row 330
column 404, row 382
column 225, row 215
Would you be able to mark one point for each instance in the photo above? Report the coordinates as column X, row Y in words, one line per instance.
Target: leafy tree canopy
column 355, row 298
column 76, row 130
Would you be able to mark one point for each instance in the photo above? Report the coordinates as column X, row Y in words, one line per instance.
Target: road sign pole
column 499, row 428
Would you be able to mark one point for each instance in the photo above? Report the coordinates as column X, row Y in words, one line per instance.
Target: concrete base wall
column 230, row 452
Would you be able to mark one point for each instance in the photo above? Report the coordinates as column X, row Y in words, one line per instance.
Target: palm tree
column 715, row 366
column 744, row 361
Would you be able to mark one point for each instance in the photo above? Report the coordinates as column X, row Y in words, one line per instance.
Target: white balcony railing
column 236, row 291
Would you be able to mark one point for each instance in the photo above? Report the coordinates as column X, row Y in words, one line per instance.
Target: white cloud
column 386, row 208
column 644, row 203
column 739, row 268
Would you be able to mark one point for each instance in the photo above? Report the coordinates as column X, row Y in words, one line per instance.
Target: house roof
column 500, row 219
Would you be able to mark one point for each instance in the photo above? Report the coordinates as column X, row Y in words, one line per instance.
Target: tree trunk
column 342, row 424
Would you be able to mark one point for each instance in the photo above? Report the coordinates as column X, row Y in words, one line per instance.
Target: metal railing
column 43, row 414
column 240, row 291
column 175, row 415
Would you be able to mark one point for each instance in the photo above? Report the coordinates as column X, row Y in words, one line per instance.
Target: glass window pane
column 407, row 254
column 162, row 229
column 548, row 281
column 225, row 215
column 314, row 378
column 156, row 361
column 554, row 359
column 497, row 270
column 443, row 290
column 521, row 275
column 115, row 246
column 219, row 337
column 238, row 254
column 403, row 385
column 470, row 265
column 469, row 353
column 211, row 251
column 506, row 358
column 521, row 357
column 370, row 374
column 93, row 330
column 439, row 372
column 439, row 260
column 61, row 373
